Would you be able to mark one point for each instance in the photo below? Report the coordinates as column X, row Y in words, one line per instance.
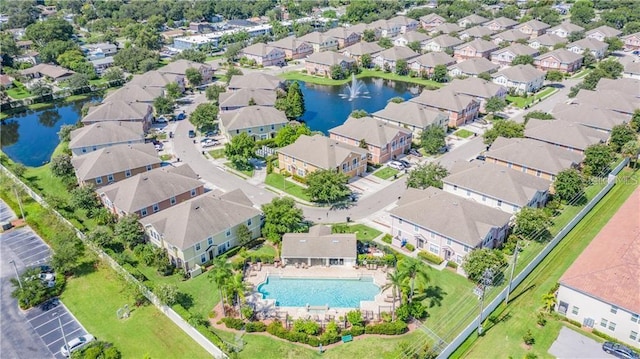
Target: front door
column 211, row 254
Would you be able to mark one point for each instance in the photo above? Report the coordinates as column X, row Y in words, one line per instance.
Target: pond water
column 31, row 137
column 325, row 108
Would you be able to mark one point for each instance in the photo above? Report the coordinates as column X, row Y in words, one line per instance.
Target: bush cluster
column 430, row 257
column 233, row 323
column 410, row 247
column 452, row 264
column 251, row 327
column 392, row 328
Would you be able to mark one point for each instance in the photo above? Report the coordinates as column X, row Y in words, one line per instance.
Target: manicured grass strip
column 76, row 98
column 385, row 173
column 277, row 181
column 247, row 173
column 18, row 92
column 522, row 102
column 217, row 153
column 363, row 233
column 463, row 133
column 520, row 314
column 94, row 299
column 295, row 75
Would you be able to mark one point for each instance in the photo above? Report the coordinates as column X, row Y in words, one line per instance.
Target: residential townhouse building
column 565, row 29
column 628, row 87
column 631, row 70
column 389, row 58
column 615, row 100
column 602, row 33
column 159, row 80
column 473, row 67
column 597, row 289
column 310, row 153
column 54, row 73
column 101, row 65
column 564, row 134
column 230, row 101
column 409, row 37
column 320, row 42
column 446, row 225
column 345, row 36
column 258, row 122
column 320, row 63
column 426, row 63
column 413, row 116
column 122, row 111
column 135, row 93
column 293, row 48
column 387, row 28
column 115, row 163
column 559, row 60
column 522, row 79
column 533, row 28
column 631, row 41
column 442, row 43
column 360, row 28
column 446, row 29
column 200, row 229
column 546, row 41
column 264, row 55
column 506, row 55
column 496, row 186
column 104, row 134
column 255, row 81
column 152, row 191
column 597, row 48
column 479, row 89
column 500, row 24
column 180, row 67
column 384, row 141
column 509, row 36
column 471, row 20
column 406, row 24
column 428, row 22
column 589, row 115
column 532, row 157
column 474, row 48
column 475, row 32
column 460, row 108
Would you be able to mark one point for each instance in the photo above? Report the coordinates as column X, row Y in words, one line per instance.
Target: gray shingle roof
column 477, row 31
column 373, row 131
column 363, row 47
column 243, row 96
column 564, row 133
column 479, row 45
column 117, row 111
column 397, row 53
column 328, row 58
column 563, row 55
column 444, row 98
column 104, row 133
column 447, row 28
column 411, row 113
column 588, row 43
column 193, row 221
column 252, row 116
column 476, row 87
column 533, row 154
column 259, row 49
column 153, row 79
column 114, row 159
column 590, row 115
column 319, row 243
column 475, row 66
column 446, row 41
column 339, row 32
column 462, row 220
column 606, row 31
column 432, row 59
column 496, row 181
column 255, row 80
column 520, row 73
column 502, row 21
column 134, row 93
column 517, row 49
column 567, row 26
column 511, row 35
column 146, row 189
column 412, row 36
column 180, row 67
column 534, row 24
column 474, row 19
column 289, row 43
column 548, row 40
column 53, row 71
column 628, row 86
column 608, row 99
column 321, row 151
column 315, row 37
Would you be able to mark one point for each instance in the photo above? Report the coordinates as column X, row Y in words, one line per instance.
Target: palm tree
column 549, row 301
column 413, row 269
column 220, row 275
column 395, row 280
column 236, row 288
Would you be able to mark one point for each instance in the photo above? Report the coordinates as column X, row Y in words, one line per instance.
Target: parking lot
column 34, row 333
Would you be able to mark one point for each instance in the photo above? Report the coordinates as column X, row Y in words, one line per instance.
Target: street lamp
column 513, row 269
column 64, row 337
column 15, row 268
column 487, row 279
column 19, row 202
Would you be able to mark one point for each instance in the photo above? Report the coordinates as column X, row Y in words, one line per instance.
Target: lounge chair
column 297, row 265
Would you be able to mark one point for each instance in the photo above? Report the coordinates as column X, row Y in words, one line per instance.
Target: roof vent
column 197, row 207
column 145, row 178
column 303, row 241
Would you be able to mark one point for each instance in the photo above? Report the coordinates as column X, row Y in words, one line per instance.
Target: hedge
column 393, row 328
column 233, row 323
column 430, row 257
column 255, row 327
column 387, row 238
column 452, row 264
column 410, row 247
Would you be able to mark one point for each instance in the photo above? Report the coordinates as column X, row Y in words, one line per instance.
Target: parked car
column 415, row 152
column 443, row 149
column 192, row 133
column 396, row 165
column 405, row 163
column 210, row 144
column 211, row 133
column 181, row 116
column 76, row 344
column 161, row 120
column 619, row 350
column 480, row 157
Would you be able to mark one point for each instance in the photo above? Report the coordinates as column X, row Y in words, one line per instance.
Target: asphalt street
column 573, row 345
column 34, row 333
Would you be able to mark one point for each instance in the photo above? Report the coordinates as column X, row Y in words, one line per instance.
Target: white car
column 76, row 344
column 396, row 165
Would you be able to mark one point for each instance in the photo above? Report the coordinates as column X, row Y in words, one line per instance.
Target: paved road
column 571, row 344
column 34, row 333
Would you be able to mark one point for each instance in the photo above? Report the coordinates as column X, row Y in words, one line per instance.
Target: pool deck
column 266, row 307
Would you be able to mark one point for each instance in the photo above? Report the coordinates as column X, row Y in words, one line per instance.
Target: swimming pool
column 337, row 293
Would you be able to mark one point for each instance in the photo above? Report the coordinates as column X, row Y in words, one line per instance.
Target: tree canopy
column 293, row 103
column 205, row 115
column 282, row 216
column 194, row 77
column 131, row 58
column 49, row 30
column 522, row 60
column 129, row 231
column 495, row 104
column 433, row 139
column 290, row 133
column 162, row 105
column 503, row 128
column 240, row 150
column 620, row 135
column 597, row 159
column 568, row 184
column 327, row 186
column 427, row 175
column 479, row 260
column 532, row 223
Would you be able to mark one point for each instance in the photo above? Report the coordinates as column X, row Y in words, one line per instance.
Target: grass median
column 520, row 315
column 278, row 181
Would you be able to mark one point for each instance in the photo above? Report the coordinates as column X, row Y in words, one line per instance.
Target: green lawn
column 277, row 181
column 94, row 299
column 217, row 153
column 98, row 82
column 166, row 157
column 363, row 233
column 463, row 133
column 581, row 74
column 296, row 75
column 522, row 102
column 520, row 314
column 73, row 98
column 247, row 173
column 18, row 93
column 385, row 172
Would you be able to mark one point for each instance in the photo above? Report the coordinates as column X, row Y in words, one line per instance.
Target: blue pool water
column 337, row 293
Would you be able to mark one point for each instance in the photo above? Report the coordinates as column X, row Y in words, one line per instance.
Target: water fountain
column 355, row 89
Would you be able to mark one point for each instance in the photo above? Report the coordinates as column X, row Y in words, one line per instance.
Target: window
column 468, row 193
column 127, row 173
column 237, row 132
column 603, row 322
column 273, row 127
column 143, row 212
column 524, row 169
column 538, row 173
column 209, row 241
column 99, row 180
column 228, row 233
column 575, row 310
column 448, row 241
column 110, row 178
column 261, row 129
column 499, row 203
column 633, row 335
column 416, row 229
column 249, row 130
column 249, row 222
column 300, row 172
column 172, row 200
column 635, row 318
column 400, row 220
column 354, row 162
column 612, row 326
column 84, row 150
column 614, row 309
column 434, row 248
column 197, row 246
column 193, row 192
column 466, row 249
column 399, row 233
column 344, row 167
column 156, row 208
column 509, row 164
column 455, row 187
column 149, row 167
column 433, row 235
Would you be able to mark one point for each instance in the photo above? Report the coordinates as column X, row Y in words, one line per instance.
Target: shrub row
column 387, row 238
column 255, row 327
column 233, row 323
column 452, row 264
column 410, row 247
column 392, row 328
column 430, row 257
column 355, row 331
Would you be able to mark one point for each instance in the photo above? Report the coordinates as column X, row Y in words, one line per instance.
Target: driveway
column 571, row 344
